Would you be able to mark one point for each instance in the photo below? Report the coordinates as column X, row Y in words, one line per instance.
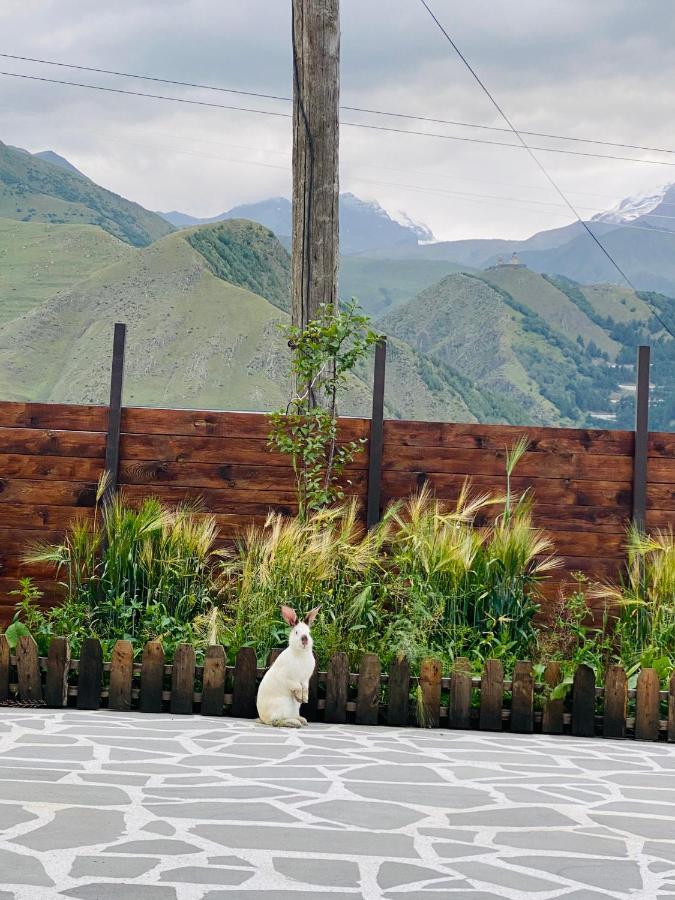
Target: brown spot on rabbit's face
column 300, row 638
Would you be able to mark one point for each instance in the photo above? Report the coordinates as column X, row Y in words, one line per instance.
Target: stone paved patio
column 108, row 805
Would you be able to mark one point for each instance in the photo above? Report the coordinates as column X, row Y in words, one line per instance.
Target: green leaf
column 15, row 631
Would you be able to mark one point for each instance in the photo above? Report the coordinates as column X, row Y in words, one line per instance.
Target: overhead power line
column 538, row 162
column 363, row 125
column 360, row 109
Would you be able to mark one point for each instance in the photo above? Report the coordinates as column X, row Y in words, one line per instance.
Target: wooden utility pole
column 316, row 100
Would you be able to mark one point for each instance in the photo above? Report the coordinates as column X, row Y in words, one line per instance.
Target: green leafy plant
column 324, row 354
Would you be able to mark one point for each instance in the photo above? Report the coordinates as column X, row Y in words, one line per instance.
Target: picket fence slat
column 310, row 710
column 337, row 689
column 398, row 693
column 671, row 709
column 431, row 672
column 368, row 695
column 552, row 716
column 90, row 676
column 616, row 702
column 182, row 680
column 28, row 669
column 522, row 698
column 491, row 696
column 213, row 681
column 459, row 709
column 56, row 680
column 121, row 676
column 647, row 706
column 152, row 677
column 5, row 655
column 244, row 690
column 583, row 702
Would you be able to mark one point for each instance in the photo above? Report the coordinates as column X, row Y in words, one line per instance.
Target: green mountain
column 199, row 336
column 37, row 261
column 37, row 190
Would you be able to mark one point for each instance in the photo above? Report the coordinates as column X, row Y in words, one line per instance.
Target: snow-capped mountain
column 652, row 204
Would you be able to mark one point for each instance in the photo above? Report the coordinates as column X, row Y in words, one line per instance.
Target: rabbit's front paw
column 297, row 694
column 305, row 694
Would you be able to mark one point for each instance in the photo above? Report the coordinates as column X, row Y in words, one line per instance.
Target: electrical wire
column 363, row 125
column 359, row 109
column 539, row 164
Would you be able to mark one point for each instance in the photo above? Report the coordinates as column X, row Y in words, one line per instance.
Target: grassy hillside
column 381, row 285
column 198, row 340
column 37, row 261
column 35, row 190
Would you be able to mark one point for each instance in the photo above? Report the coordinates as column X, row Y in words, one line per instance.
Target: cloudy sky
column 602, row 69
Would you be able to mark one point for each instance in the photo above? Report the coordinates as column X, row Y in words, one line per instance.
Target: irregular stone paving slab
column 17, row 868
column 121, row 805
column 328, row 872
column 75, row 828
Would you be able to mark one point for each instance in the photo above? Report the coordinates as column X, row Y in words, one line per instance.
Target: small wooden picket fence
column 337, row 695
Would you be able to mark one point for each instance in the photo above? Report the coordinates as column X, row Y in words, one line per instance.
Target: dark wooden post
column 641, row 439
column 112, row 447
column 376, row 445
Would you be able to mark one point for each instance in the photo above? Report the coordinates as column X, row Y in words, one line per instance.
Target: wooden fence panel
column 647, row 706
column 368, row 696
column 616, row 701
column 583, row 702
column 398, row 693
column 459, row 710
column 56, row 680
column 213, row 681
column 522, row 698
column 245, row 685
column 183, row 680
column 491, row 696
column 152, row 677
column 552, row 716
column 121, row 676
column 5, row 654
column 28, row 670
column 337, row 687
column 310, row 710
column 90, row 674
column 431, row 672
column 671, row 709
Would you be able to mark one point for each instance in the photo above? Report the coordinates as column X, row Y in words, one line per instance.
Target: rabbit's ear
column 290, row 616
column 311, row 615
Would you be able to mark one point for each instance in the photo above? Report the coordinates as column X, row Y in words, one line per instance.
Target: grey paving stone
column 282, row 895
column 222, row 811
column 504, row 877
column 663, row 810
column 380, row 816
column 585, row 895
column 52, row 753
column 437, row 796
column 395, row 774
column 126, row 754
column 148, row 768
column 205, row 875
column 160, row 828
column 115, row 891
column 457, row 850
column 327, row 872
column 14, row 815
column 156, row 847
column 644, row 827
column 34, row 774
column 455, row 895
column 308, row 840
column 602, row 873
column 562, row 841
column 259, row 751
column 44, row 739
column 117, row 778
column 280, row 773
column 18, row 868
column 393, row 874
column 660, row 849
column 111, row 866
column 209, row 791
column 75, row 827
column 228, row 861
column 63, row 794
column 519, row 817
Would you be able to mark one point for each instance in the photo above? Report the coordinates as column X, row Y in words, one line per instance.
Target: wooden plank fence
column 457, row 700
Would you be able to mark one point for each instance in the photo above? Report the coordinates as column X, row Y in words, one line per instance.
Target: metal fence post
column 376, row 436
column 641, row 439
column 112, row 447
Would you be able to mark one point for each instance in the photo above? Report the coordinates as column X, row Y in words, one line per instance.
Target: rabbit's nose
column 304, row 640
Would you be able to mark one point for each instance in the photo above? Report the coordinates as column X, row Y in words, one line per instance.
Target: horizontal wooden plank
column 492, row 462
column 159, row 479
column 26, row 516
column 570, row 492
column 661, row 470
column 43, row 442
column 553, row 441
column 61, row 468
column 67, row 416
column 140, row 420
column 661, row 443
column 47, row 492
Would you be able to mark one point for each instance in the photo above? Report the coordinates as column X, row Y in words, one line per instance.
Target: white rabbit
column 285, row 685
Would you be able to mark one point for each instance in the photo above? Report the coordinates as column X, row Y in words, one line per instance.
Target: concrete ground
column 137, row 807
